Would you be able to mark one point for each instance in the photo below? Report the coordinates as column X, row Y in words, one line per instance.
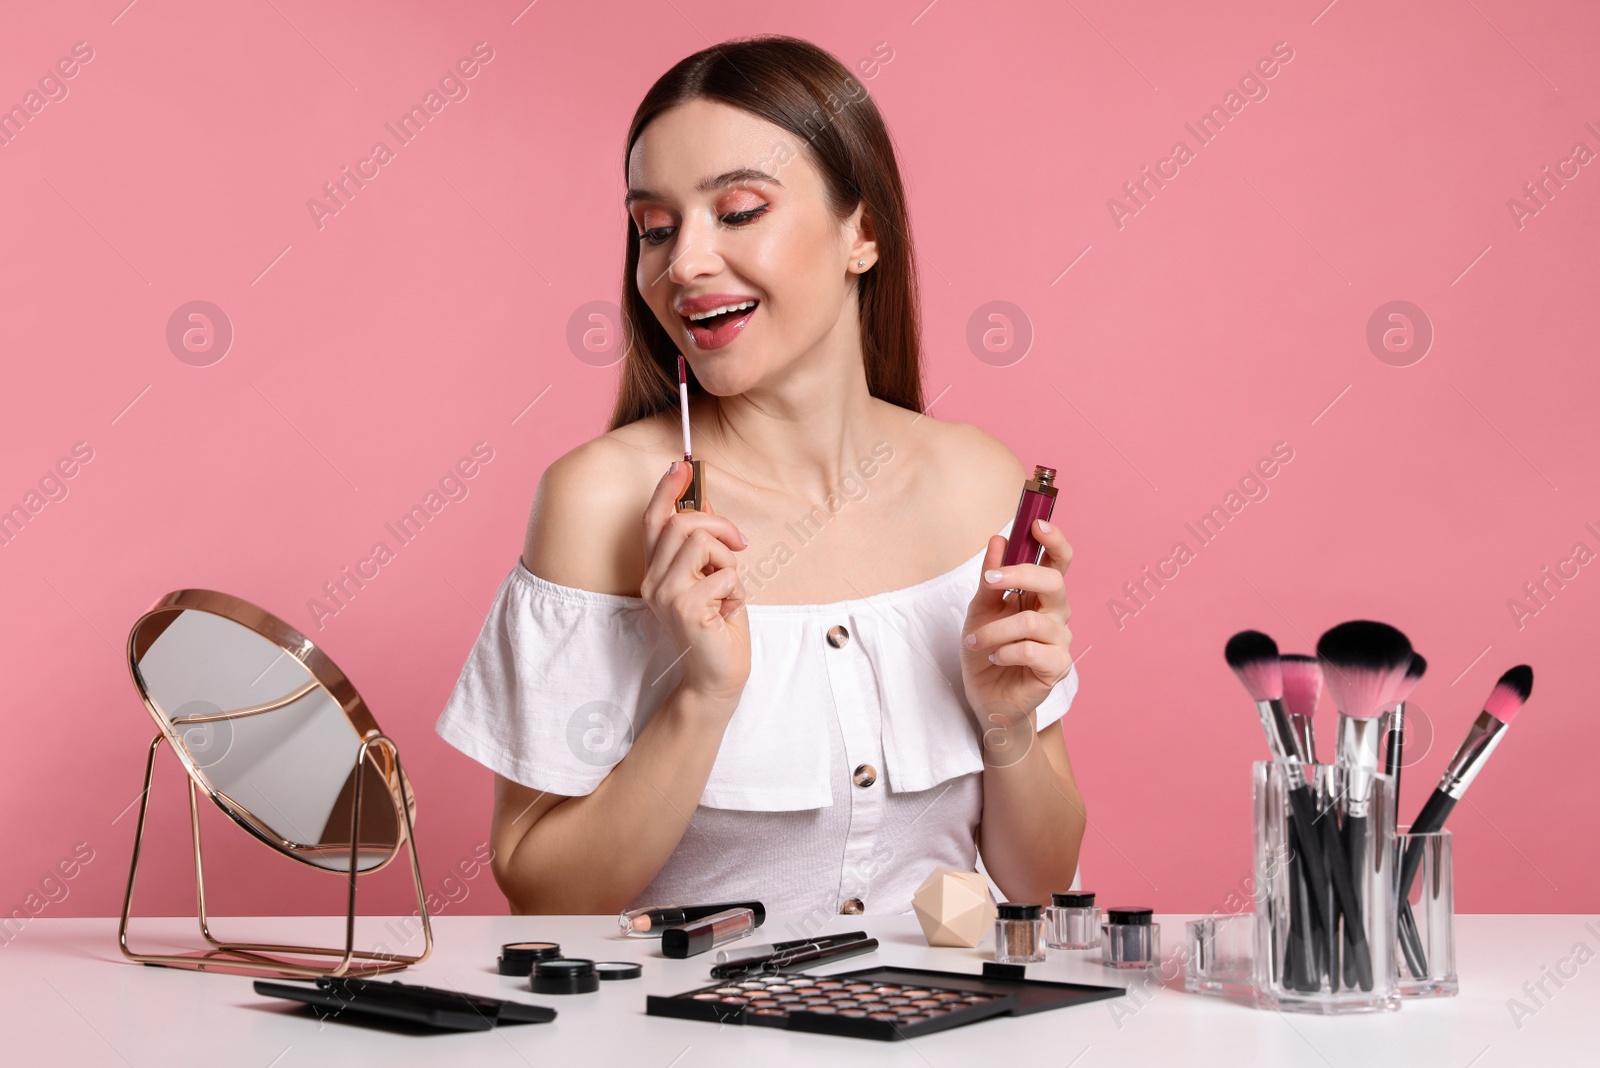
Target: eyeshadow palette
column 882, row 1003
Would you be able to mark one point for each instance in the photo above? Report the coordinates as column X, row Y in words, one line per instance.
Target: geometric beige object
column 954, row 908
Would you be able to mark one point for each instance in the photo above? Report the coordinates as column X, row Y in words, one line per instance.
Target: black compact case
column 426, row 1006
column 883, row 1003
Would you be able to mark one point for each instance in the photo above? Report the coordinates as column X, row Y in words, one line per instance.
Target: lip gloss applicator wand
column 694, row 496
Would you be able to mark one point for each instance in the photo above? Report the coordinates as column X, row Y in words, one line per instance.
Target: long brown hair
column 795, row 85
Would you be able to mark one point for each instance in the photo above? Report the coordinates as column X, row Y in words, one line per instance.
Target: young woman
column 815, row 690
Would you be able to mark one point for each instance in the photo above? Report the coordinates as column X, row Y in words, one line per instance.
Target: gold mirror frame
column 376, row 750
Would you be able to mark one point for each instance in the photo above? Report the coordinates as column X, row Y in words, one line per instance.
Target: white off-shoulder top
column 851, row 768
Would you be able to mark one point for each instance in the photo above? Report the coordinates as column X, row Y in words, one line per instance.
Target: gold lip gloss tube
column 694, row 496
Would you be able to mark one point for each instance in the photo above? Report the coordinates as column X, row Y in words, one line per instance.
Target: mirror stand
column 265, row 959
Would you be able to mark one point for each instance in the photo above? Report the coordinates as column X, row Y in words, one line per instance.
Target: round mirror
column 268, row 727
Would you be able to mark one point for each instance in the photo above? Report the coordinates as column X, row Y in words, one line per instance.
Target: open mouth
column 715, row 330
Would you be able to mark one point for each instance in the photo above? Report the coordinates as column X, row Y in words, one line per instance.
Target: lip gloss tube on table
column 707, row 933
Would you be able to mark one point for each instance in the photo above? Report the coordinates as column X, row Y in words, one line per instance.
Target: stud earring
column 861, row 263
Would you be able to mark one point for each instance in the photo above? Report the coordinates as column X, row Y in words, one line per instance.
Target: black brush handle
column 1310, row 973
column 1328, row 941
column 1411, row 942
column 1395, row 755
column 1430, row 819
column 1300, row 957
column 1349, row 904
column 1355, row 845
column 1292, row 963
column 1303, row 810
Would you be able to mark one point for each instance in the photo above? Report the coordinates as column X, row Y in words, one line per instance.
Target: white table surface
column 69, row 998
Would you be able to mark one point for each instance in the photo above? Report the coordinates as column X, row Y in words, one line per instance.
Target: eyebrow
column 706, row 185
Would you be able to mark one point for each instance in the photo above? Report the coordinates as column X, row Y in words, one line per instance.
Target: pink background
column 1229, row 314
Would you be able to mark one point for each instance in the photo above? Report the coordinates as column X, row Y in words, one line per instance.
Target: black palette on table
column 883, row 1003
column 446, row 1010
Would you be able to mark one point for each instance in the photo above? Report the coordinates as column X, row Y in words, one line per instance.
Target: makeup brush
column 1364, row 664
column 1302, row 689
column 1510, row 693
column 1505, row 701
column 1395, row 753
column 694, row 496
column 1394, row 756
column 1253, row 656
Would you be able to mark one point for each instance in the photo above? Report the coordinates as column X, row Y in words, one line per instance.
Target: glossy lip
column 710, row 339
column 688, row 306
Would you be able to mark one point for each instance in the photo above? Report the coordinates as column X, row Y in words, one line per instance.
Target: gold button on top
column 852, row 907
column 838, row 637
column 865, row 775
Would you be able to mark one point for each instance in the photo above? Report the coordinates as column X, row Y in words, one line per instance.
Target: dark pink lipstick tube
column 1038, row 501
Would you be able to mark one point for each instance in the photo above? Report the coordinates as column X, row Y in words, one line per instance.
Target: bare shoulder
column 980, row 453
column 586, row 526
column 988, row 473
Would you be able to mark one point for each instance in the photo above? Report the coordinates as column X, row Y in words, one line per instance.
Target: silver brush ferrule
column 1357, row 747
column 1306, row 737
column 1485, row 734
column 1282, row 739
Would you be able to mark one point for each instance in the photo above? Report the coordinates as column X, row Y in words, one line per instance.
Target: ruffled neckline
column 625, row 601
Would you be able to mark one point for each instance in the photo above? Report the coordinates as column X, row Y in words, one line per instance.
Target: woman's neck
column 802, row 435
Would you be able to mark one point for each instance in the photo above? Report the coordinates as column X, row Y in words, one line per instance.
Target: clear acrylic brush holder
column 1426, row 925
column 1347, row 871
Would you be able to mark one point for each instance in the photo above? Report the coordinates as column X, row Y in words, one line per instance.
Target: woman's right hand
column 692, row 585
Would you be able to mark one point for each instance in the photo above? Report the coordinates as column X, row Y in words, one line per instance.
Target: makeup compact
column 1129, row 938
column 577, row 975
column 1072, row 921
column 564, row 975
column 518, row 958
column 883, row 1003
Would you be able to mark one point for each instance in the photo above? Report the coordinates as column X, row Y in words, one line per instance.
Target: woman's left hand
column 1013, row 651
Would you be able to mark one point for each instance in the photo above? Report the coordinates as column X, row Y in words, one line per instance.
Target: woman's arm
column 1014, row 653
column 595, row 853
column 1033, row 815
